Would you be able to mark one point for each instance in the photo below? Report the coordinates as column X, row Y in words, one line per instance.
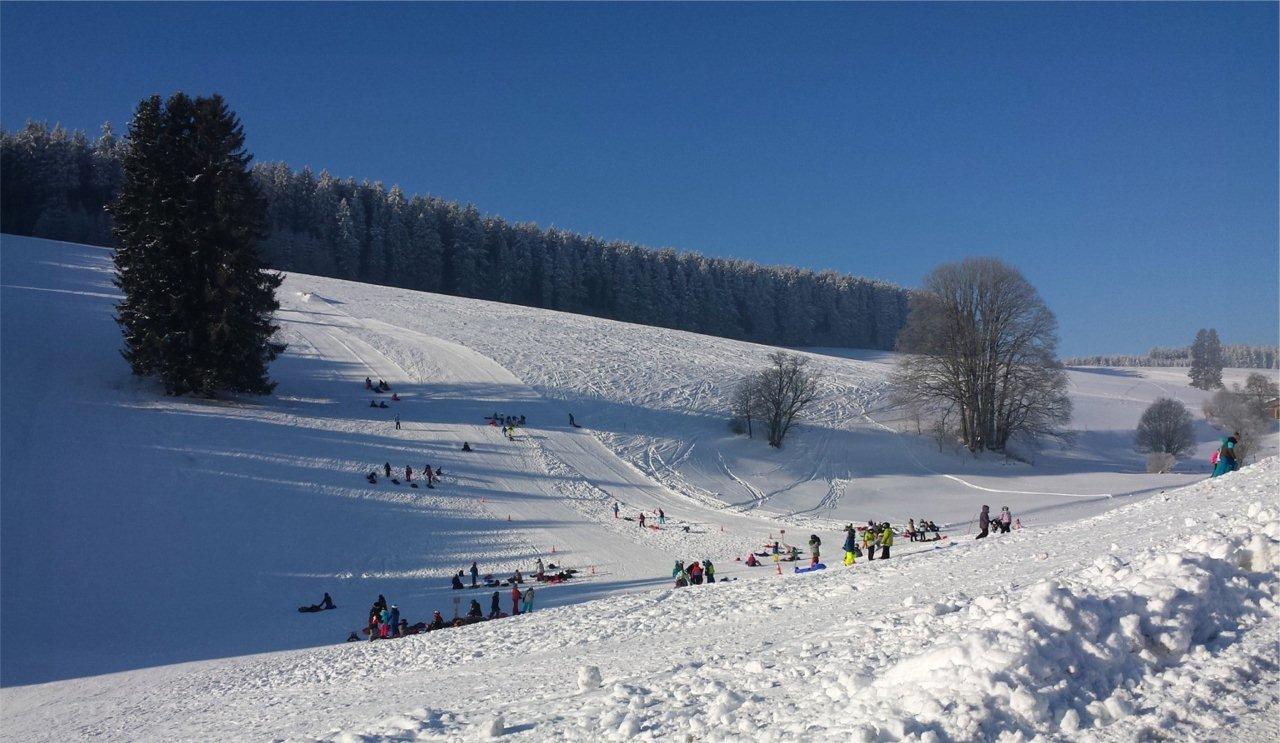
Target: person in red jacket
column 515, row 600
column 695, row 573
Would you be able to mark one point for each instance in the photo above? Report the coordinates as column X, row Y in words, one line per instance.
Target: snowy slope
column 1156, row 620
column 218, row 518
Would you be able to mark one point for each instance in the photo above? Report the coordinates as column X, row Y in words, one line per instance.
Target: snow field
column 188, row 530
column 1173, row 635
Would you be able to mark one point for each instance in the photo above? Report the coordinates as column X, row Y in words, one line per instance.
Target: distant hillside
column 1240, row 356
column 55, row 184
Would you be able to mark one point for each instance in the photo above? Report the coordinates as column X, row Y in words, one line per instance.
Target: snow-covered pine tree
column 197, row 308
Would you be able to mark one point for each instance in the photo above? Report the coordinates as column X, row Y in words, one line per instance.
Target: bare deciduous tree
column 1165, row 428
column 983, row 343
column 1243, row 412
column 782, row 391
column 745, row 404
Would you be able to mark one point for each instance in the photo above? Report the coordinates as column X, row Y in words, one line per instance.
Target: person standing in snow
column 528, row 600
column 387, row 468
column 695, row 573
column 615, row 509
column 709, row 570
column 911, row 530
column 850, row 544
column 662, row 516
column 408, row 473
column 397, row 421
column 1006, row 519
column 680, row 574
column 984, row 522
column 869, row 542
column 495, row 610
column 393, row 620
column 539, row 570
column 886, row 541
column 1226, row 457
column 642, row 520
column 572, row 422
column 515, row 601
column 814, row 543
column 475, row 573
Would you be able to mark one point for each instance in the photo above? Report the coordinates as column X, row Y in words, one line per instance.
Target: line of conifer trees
column 55, row 184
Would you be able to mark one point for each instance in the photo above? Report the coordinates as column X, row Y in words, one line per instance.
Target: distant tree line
column 55, row 184
column 1240, row 356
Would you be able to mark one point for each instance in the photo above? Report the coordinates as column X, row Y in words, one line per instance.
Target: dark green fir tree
column 198, row 304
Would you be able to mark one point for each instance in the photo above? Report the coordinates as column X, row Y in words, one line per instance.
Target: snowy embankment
column 1159, row 618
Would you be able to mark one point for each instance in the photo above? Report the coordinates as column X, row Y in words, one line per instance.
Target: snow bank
column 1067, row 654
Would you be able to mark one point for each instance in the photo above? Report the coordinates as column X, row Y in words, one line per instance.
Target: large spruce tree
column 197, row 309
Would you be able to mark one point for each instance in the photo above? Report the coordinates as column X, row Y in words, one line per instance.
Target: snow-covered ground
column 158, row 531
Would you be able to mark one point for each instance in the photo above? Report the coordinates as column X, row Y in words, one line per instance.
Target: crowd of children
column 695, row 574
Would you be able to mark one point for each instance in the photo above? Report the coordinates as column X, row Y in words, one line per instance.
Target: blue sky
column 1124, row 157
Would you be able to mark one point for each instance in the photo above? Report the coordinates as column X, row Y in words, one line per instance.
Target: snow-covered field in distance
column 179, row 530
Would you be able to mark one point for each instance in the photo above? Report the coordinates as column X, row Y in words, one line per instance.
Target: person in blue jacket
column 394, row 620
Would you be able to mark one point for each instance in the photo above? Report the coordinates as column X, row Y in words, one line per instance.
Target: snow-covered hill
column 159, row 530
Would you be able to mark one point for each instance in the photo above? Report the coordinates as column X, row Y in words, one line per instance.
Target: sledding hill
column 173, row 530
column 1088, row 630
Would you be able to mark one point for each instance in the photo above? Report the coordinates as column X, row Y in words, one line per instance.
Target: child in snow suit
column 528, row 600
column 814, row 543
column 869, row 542
column 515, row 601
column 984, row 522
column 1006, row 519
column 850, row 544
column 678, row 572
column 709, row 570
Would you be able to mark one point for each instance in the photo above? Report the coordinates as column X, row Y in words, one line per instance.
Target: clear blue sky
column 1123, row 156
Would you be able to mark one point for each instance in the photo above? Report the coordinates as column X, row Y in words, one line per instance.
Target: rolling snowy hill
column 169, row 530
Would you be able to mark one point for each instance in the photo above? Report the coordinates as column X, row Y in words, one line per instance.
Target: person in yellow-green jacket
column 869, row 542
column 886, row 541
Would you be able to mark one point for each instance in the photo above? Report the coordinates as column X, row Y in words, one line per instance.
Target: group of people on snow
column 509, row 424
column 1002, row 523
column 695, row 574
column 918, row 531
column 427, row 474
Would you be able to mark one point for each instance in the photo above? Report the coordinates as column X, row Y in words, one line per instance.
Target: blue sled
column 819, row 566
